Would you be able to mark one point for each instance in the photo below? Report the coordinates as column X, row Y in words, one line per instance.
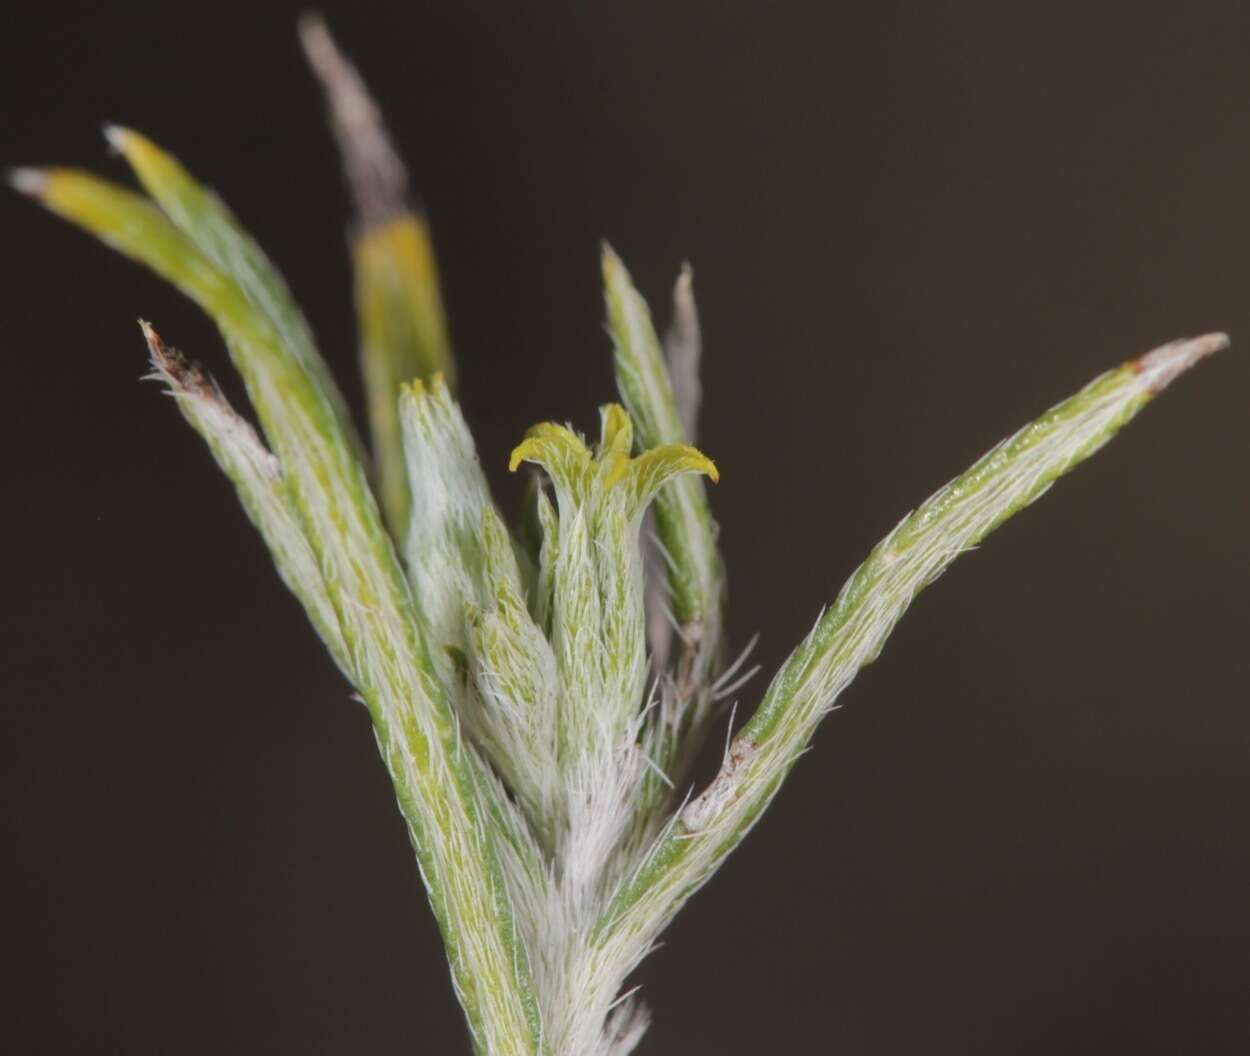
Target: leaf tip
column 1160, row 367
column 378, row 179
column 172, row 367
column 151, row 163
column 166, row 360
column 310, row 25
column 314, row 38
column 29, row 181
column 695, row 461
column 610, row 262
column 119, row 137
column 519, row 454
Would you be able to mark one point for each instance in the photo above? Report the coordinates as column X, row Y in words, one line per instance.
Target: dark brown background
column 914, row 226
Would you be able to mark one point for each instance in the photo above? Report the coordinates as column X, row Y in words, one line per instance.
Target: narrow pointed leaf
column 683, row 349
column 208, row 222
column 851, row 633
column 443, row 544
column 683, row 547
column 435, row 775
column 403, row 328
column 259, row 481
column 683, row 519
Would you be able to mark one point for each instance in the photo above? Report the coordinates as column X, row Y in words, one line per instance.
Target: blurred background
column 913, row 227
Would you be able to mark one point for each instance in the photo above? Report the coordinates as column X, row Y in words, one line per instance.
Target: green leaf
column 403, row 328
column 259, row 481
column 684, row 544
column 211, row 226
column 851, row 633
column 683, row 518
column 435, row 777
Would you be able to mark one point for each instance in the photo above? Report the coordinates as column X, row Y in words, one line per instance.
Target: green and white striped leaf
column 852, row 632
column 436, row 779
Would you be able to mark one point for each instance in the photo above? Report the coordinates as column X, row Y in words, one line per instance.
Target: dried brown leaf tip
column 174, row 368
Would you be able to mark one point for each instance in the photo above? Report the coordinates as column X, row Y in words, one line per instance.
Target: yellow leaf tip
column 696, row 461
